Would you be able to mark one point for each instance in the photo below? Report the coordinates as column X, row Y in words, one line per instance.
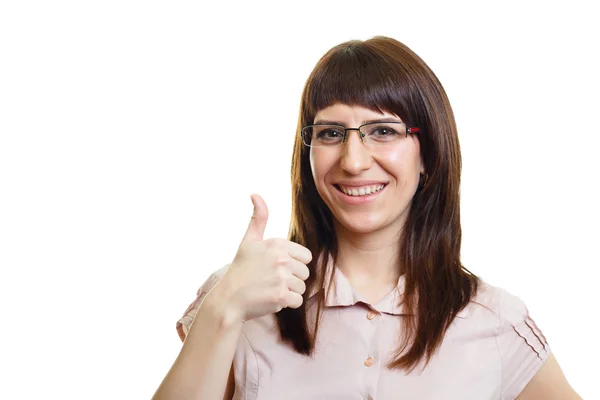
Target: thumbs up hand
column 265, row 275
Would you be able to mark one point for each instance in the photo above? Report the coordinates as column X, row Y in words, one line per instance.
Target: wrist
column 222, row 308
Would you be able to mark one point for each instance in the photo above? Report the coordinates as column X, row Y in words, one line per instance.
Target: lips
column 357, row 195
column 360, row 190
column 359, row 183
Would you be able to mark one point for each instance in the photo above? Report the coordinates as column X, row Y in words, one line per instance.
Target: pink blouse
column 491, row 351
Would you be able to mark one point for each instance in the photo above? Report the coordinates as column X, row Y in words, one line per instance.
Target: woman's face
column 356, row 168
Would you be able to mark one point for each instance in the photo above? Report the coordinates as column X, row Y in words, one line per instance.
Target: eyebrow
column 370, row 121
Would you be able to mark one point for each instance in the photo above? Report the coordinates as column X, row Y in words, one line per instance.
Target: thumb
column 256, row 228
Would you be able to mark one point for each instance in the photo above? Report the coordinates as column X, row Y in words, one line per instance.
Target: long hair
column 384, row 75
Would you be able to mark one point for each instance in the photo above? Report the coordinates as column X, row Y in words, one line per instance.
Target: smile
column 359, row 195
column 360, row 191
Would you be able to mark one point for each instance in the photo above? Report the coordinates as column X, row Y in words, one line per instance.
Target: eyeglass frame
column 409, row 129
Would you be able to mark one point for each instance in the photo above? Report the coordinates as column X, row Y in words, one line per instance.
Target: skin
column 368, row 233
column 549, row 383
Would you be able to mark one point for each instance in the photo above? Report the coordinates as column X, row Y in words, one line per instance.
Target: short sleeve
column 523, row 347
column 184, row 323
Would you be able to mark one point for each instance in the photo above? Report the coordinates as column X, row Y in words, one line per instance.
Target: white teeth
column 362, row 191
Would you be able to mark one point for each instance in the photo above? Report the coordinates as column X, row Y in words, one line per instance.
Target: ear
column 422, row 167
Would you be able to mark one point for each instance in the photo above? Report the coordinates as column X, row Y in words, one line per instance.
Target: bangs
column 356, row 75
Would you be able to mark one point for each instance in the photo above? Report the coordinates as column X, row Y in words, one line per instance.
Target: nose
column 355, row 156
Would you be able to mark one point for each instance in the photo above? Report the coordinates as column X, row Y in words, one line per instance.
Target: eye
column 383, row 131
column 328, row 133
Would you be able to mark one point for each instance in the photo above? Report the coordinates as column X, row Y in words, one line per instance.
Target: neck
column 369, row 260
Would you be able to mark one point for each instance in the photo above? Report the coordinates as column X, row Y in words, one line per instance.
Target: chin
column 362, row 225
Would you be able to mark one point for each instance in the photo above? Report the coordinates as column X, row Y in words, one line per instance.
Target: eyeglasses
column 376, row 133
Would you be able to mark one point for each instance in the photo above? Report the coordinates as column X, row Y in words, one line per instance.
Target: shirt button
column 369, row 361
column 371, row 315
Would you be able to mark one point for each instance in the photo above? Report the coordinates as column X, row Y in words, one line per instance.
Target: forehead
column 351, row 114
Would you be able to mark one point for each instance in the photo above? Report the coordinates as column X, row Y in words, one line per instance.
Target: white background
column 133, row 133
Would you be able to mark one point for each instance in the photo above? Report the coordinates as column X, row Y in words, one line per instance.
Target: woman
column 368, row 298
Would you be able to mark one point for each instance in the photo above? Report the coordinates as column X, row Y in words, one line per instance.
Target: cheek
column 404, row 163
column 320, row 164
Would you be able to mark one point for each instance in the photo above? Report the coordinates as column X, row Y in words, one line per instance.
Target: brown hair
column 383, row 74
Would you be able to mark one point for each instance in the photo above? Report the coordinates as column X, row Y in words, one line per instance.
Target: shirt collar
column 342, row 294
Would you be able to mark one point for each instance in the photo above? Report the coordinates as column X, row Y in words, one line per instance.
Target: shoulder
column 185, row 321
column 498, row 303
column 508, row 310
column 521, row 345
column 499, row 312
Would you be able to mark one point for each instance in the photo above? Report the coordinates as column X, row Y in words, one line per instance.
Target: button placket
column 371, row 362
column 374, row 328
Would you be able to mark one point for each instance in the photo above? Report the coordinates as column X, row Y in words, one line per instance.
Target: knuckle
column 278, row 243
column 282, row 275
column 280, row 295
column 281, row 259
